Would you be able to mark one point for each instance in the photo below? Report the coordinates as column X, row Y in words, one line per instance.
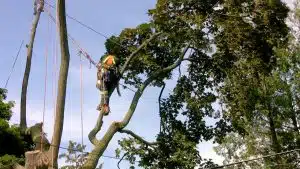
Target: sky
column 109, row 17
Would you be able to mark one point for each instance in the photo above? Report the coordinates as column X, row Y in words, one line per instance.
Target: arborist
column 107, row 79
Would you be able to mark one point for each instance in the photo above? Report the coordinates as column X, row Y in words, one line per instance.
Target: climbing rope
column 12, row 69
column 89, row 27
column 81, row 100
column 82, row 50
column 45, row 82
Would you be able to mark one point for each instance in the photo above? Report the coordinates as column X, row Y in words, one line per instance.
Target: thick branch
column 138, row 137
column 133, row 54
column 96, row 129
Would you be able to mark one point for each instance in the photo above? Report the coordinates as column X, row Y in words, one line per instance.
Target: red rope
column 83, row 51
column 81, row 100
column 56, row 47
column 45, row 83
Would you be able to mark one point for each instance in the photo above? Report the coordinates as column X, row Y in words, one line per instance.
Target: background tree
column 75, row 156
column 259, row 91
column 251, row 39
column 13, row 143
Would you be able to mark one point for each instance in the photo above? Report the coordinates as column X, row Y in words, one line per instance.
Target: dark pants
column 107, row 79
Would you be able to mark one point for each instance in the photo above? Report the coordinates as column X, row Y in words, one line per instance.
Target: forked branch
column 96, row 129
column 102, row 144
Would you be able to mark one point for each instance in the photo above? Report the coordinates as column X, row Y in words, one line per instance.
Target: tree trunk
column 275, row 143
column 62, row 82
column 275, row 146
column 295, row 123
column 296, row 128
column 99, row 149
column 35, row 22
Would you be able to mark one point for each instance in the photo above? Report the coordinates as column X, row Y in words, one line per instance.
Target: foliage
column 183, row 113
column 75, row 156
column 12, row 142
column 252, row 73
column 7, row 161
column 260, row 91
column 241, row 56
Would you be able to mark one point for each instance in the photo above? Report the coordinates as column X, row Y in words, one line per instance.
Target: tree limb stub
column 129, row 132
column 23, row 123
column 62, row 82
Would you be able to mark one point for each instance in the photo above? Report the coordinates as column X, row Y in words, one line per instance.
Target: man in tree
column 107, row 76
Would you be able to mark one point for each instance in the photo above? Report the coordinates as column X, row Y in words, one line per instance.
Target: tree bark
column 62, row 82
column 275, row 143
column 296, row 128
column 23, row 123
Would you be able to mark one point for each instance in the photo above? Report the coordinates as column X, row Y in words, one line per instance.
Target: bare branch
column 133, row 54
column 96, row 129
column 159, row 106
column 125, row 154
column 129, row 132
column 190, row 60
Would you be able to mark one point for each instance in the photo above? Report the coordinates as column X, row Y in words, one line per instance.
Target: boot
column 106, row 110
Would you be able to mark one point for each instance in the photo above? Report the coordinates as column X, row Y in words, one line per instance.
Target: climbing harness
column 106, row 77
column 45, row 85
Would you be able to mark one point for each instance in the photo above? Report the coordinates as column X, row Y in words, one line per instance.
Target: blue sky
column 106, row 16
